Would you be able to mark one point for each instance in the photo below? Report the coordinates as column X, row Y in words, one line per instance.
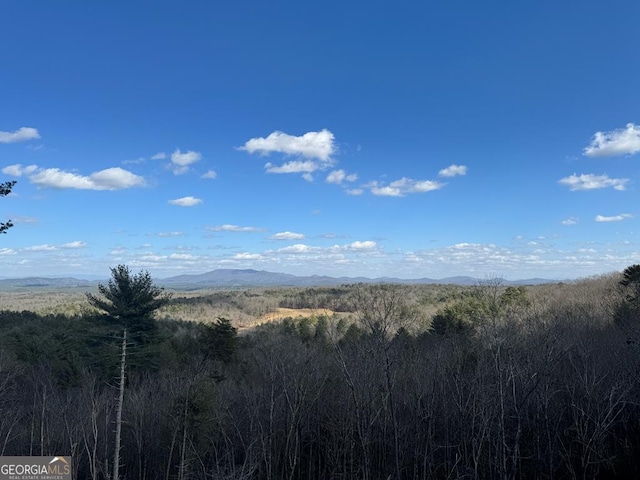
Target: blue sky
column 407, row 139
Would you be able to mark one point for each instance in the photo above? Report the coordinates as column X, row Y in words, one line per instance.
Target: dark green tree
column 461, row 317
column 631, row 280
column 218, row 340
column 5, row 189
column 131, row 300
column 627, row 311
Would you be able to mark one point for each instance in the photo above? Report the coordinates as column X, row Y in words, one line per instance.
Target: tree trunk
column 123, row 362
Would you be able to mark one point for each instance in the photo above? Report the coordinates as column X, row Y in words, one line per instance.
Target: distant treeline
column 501, row 383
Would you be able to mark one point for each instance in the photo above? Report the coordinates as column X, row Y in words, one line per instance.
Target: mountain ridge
column 238, row 278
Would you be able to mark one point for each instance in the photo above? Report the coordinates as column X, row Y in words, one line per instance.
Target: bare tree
column 383, row 311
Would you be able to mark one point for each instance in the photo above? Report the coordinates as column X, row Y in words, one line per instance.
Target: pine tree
column 131, row 301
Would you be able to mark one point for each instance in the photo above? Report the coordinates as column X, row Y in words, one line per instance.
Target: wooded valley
column 370, row 382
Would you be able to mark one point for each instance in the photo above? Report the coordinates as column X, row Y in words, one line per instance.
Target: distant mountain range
column 230, row 278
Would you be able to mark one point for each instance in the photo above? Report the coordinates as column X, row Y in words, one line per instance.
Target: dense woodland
column 406, row 382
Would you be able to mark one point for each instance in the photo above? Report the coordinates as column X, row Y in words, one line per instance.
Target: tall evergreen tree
column 131, row 300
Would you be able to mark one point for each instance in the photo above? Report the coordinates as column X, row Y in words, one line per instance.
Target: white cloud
column 404, row 186
column 13, row 170
column 591, row 182
column 287, row 236
column 614, row 218
column 152, row 257
column 315, row 145
column 114, row 179
column 159, row 156
column 355, row 191
column 308, row 177
column 76, row 244
column 570, row 221
column 453, row 170
column 247, row 256
column 182, row 256
column 234, row 228
column 424, row 186
column 339, row 176
column 21, row 135
column 306, row 166
column 170, row 234
column 298, row 248
column 386, row 191
column 185, row 201
column 180, row 162
column 366, row 246
column 210, row 174
column 41, row 248
column 18, row 170
column 622, row 141
column 108, row 179
column 353, row 247
column 7, row 251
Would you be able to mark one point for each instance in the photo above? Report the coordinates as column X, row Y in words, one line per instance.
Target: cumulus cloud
column 339, row 176
column 355, row 191
column 181, row 161
column 18, row 170
column 306, row 166
column 247, row 256
column 453, row 170
column 109, row 179
column 353, row 247
column 592, row 182
column 234, row 228
column 315, row 148
column 21, row 135
column 210, row 174
column 314, row 145
column 622, row 141
column 298, row 248
column 76, row 244
column 404, row 186
column 182, row 256
column 159, row 156
column 170, row 234
column 366, row 246
column 614, row 218
column 287, row 236
column 41, row 248
column 185, row 201
column 570, row 221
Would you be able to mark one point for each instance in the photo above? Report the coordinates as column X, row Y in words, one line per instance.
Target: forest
column 379, row 381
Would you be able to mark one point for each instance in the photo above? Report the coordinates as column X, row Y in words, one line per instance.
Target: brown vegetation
column 368, row 382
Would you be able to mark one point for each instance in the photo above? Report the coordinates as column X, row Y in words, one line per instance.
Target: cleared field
column 295, row 313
